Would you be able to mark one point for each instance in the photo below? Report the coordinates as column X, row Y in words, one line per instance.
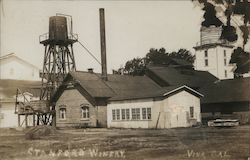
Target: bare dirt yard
column 132, row 144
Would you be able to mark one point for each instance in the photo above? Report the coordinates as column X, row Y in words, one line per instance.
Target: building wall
column 215, row 59
column 13, row 68
column 73, row 100
column 8, row 118
column 130, row 105
column 168, row 113
column 178, row 109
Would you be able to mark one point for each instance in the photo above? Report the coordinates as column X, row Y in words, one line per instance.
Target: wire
column 89, row 52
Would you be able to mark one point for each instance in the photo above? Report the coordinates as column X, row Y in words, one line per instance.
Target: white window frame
column 62, row 113
column 127, row 114
column 146, row 113
column 118, row 114
column 85, row 112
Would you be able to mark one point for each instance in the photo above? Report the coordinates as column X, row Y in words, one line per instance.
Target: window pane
column 138, row 115
column 123, row 114
column 144, row 113
column 118, row 114
column 191, row 112
column 127, row 114
column 113, row 114
column 133, row 114
column 206, row 62
column 206, row 53
column 62, row 113
column 85, row 112
column 149, row 113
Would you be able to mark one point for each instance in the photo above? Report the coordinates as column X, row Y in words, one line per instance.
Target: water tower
column 58, row 59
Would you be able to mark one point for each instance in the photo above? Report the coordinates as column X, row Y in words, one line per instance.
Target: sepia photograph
column 124, row 80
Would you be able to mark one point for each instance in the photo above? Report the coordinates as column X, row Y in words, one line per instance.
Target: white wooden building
column 173, row 107
column 13, row 67
column 213, row 54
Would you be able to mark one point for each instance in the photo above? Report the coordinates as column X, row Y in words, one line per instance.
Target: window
column 149, row 113
column 127, row 114
column 62, row 113
column 85, row 112
column 118, row 114
column 113, row 114
column 191, row 112
column 225, row 53
column 138, row 115
column 226, row 73
column 205, row 54
column 146, row 113
column 206, row 62
column 225, row 62
column 123, row 114
column 133, row 114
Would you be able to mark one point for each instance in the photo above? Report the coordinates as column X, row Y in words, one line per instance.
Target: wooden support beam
column 34, row 120
column 26, row 120
column 19, row 121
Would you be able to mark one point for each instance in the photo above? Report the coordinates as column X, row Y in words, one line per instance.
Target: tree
column 241, row 59
column 183, row 54
column 233, row 7
column 137, row 66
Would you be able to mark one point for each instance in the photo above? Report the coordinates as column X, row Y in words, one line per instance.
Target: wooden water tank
column 58, row 28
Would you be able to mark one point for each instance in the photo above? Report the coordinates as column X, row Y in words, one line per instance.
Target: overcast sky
column 132, row 28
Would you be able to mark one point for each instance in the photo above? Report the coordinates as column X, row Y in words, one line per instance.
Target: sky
column 132, row 28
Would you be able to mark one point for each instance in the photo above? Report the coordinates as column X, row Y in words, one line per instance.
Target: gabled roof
column 92, row 83
column 120, row 87
column 170, row 76
column 13, row 55
column 231, row 90
column 8, row 87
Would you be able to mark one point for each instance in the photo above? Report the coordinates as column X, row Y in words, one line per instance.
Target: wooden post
column 19, row 123
column 26, row 121
column 34, row 121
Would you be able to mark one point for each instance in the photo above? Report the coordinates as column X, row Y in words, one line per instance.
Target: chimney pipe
column 103, row 44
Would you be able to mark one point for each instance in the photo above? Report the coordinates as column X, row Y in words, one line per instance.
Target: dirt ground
column 132, row 144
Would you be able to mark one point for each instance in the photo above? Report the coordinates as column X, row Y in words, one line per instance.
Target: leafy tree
column 183, row 54
column 240, row 58
column 137, row 66
column 233, row 7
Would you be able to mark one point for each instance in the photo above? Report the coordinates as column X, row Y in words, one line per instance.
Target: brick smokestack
column 103, row 44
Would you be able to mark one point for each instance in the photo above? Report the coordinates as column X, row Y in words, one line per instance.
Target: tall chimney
column 103, row 44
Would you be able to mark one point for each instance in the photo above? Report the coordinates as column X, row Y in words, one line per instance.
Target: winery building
column 123, row 101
